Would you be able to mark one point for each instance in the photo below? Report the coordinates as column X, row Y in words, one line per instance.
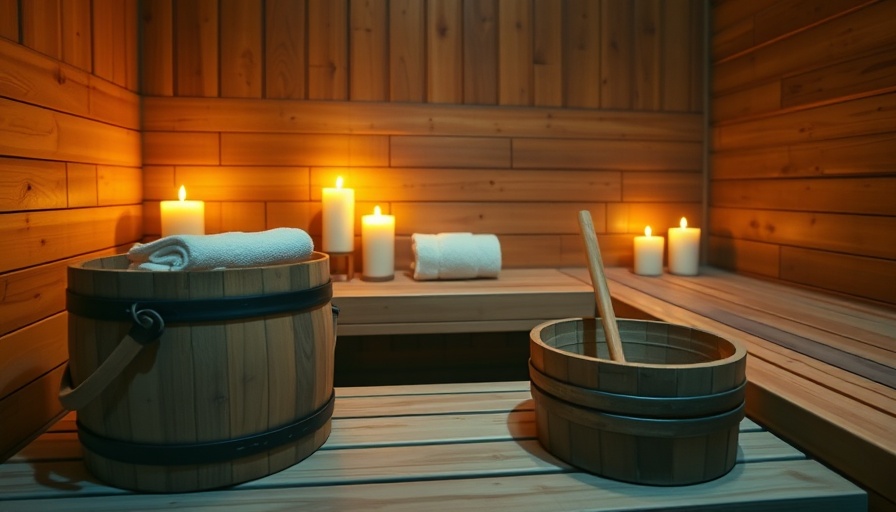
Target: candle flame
column 339, row 182
column 377, row 211
column 683, row 223
column 182, row 193
column 647, row 231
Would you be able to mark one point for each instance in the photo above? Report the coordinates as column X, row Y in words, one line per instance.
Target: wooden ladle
column 601, row 291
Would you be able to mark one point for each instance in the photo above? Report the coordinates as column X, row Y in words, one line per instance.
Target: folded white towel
column 455, row 256
column 224, row 250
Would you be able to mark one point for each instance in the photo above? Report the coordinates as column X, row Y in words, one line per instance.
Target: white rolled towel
column 225, row 250
column 455, row 256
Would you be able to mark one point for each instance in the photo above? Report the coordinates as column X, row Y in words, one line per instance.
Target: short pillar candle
column 182, row 217
column 378, row 246
column 338, row 218
column 684, row 249
column 649, row 254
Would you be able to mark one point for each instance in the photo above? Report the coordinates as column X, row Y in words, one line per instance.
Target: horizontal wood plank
column 34, row 406
column 372, row 118
column 307, row 150
column 484, row 184
column 858, row 235
column 871, row 278
column 31, row 184
column 419, row 151
column 228, row 183
column 181, row 148
column 40, row 237
column 861, row 30
column 24, row 353
column 868, row 155
column 866, row 116
column 33, row 132
column 868, row 196
column 635, row 155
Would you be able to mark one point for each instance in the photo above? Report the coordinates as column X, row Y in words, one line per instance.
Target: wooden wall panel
column 444, row 56
column 241, row 43
column 9, row 19
column 369, row 59
column 327, row 50
column 804, row 125
column 547, row 53
column 515, row 44
column 407, row 61
column 196, row 47
column 70, row 183
column 480, row 52
column 284, row 65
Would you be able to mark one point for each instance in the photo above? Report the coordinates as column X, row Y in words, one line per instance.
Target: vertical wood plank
column 109, row 41
column 698, row 55
column 327, row 49
column 547, row 54
column 196, row 48
column 515, row 43
column 284, row 58
column 407, row 38
column 41, row 22
column 617, row 18
column 647, row 53
column 480, row 52
column 369, row 54
column 76, row 33
column 241, row 57
column 157, row 24
column 581, row 53
column 676, row 56
column 9, row 19
column 131, row 42
column 444, row 51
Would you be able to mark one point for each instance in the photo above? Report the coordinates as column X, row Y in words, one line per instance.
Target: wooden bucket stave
column 204, row 382
column 669, row 415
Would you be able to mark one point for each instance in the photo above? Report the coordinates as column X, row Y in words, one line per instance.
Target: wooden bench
column 821, row 368
column 436, row 447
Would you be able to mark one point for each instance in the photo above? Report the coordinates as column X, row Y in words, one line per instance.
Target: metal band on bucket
column 200, row 310
column 204, row 452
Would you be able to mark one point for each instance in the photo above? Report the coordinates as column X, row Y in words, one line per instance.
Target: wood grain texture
column 284, row 49
column 444, row 46
column 369, row 58
column 9, row 21
column 581, row 53
column 486, row 431
column 515, row 52
column 802, row 113
column 196, row 52
column 328, row 50
column 480, row 52
column 547, row 53
column 241, row 58
column 157, row 66
column 407, row 58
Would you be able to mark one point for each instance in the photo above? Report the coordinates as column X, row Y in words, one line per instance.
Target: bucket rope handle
column 148, row 326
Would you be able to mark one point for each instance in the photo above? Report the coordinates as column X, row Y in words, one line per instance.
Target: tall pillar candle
column 649, row 254
column 338, row 219
column 182, row 217
column 684, row 249
column 378, row 246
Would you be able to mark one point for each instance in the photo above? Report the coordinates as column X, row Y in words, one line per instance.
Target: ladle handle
column 601, row 291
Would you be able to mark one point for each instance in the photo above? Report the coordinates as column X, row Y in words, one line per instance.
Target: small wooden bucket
column 239, row 384
column 669, row 415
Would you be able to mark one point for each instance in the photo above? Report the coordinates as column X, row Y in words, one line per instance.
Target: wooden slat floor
column 435, row 447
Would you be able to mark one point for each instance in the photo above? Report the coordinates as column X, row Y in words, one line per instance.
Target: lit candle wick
column 182, row 193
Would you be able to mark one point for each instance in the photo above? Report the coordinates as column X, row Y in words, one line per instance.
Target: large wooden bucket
column 669, row 415
column 238, row 386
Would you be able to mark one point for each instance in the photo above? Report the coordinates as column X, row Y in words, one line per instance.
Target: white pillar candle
column 649, row 254
column 378, row 245
column 684, row 249
column 182, row 217
column 338, row 219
